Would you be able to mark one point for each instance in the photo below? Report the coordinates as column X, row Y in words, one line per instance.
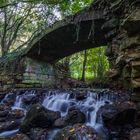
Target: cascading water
column 57, row 102
column 8, row 133
column 63, row 101
column 90, row 105
column 18, row 103
column 60, row 101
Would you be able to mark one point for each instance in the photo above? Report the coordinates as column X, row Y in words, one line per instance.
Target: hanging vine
column 92, row 30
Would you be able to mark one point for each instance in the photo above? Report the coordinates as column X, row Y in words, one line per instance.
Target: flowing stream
column 62, row 101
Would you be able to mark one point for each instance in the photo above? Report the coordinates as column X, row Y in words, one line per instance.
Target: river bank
column 73, row 114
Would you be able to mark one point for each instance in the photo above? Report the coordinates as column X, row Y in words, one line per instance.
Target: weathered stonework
column 115, row 23
column 27, row 73
column 124, row 46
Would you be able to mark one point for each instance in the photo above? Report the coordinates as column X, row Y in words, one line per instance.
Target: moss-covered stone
column 39, row 116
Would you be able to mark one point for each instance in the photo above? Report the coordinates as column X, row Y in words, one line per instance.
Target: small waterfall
column 57, row 102
column 18, row 103
column 89, row 106
column 6, row 96
column 51, row 134
column 63, row 101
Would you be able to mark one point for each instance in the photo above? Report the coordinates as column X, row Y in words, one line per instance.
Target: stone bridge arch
column 71, row 35
column 112, row 22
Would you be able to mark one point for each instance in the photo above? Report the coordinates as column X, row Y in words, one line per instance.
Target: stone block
column 126, row 72
column 135, row 96
column 135, row 72
column 135, row 82
column 131, row 42
column 133, row 53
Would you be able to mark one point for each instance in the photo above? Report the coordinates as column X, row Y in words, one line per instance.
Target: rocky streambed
column 68, row 115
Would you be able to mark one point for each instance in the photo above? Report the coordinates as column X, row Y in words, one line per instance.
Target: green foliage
column 22, row 20
column 96, row 65
column 73, row 6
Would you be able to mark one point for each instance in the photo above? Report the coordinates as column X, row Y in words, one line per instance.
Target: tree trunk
column 67, row 67
column 84, row 65
column 3, row 51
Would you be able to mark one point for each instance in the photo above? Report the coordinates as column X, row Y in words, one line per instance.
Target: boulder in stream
column 9, row 125
column 30, row 99
column 80, row 96
column 74, row 116
column 118, row 114
column 16, row 114
column 39, row 116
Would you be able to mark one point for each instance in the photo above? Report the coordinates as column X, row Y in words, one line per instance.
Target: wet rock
column 135, row 134
column 2, row 119
column 9, row 99
column 38, row 133
column 118, row 114
column 4, row 113
column 61, row 122
column 9, row 125
column 20, row 137
column 2, row 95
column 16, row 137
column 77, row 132
column 39, row 116
column 4, row 107
column 80, row 96
column 74, row 116
column 30, row 99
column 17, row 113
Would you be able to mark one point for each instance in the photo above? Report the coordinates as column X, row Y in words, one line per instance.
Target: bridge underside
column 67, row 40
column 115, row 23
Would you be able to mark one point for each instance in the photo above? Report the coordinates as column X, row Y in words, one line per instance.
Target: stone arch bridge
column 115, row 23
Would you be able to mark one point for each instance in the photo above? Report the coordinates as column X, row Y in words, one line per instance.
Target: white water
column 62, row 101
column 57, row 102
column 51, row 134
column 18, row 103
column 8, row 133
column 6, row 96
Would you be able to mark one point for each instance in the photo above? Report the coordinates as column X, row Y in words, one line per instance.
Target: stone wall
column 123, row 35
column 11, row 73
column 37, row 74
column 27, row 73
